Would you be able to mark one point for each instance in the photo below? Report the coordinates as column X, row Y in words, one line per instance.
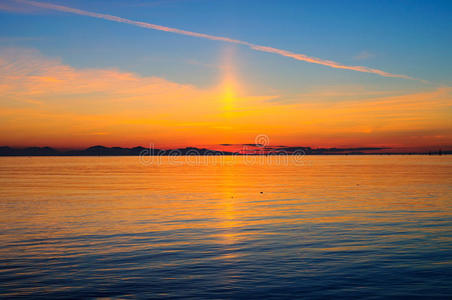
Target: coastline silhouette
column 253, row 150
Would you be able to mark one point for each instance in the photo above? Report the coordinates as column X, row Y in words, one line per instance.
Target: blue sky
column 406, row 37
column 411, row 38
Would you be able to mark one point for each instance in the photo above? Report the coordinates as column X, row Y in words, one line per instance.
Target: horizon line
column 255, row 149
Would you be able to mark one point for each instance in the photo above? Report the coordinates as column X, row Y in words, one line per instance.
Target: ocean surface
column 226, row 227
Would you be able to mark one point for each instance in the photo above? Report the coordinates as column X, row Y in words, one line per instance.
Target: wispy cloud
column 334, row 93
column 15, row 7
column 285, row 53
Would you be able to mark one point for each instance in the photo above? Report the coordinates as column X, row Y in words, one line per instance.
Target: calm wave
column 326, row 226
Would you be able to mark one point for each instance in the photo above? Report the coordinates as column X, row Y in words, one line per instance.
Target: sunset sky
column 178, row 73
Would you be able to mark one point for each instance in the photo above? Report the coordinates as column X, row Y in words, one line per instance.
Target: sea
column 226, row 227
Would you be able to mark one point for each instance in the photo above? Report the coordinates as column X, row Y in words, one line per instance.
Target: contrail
column 285, row 53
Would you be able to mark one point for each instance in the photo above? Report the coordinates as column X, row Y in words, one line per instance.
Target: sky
column 176, row 73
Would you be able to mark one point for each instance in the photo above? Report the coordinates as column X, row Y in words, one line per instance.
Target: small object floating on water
column 262, row 192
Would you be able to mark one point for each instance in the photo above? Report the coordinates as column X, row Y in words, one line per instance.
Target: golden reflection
column 171, row 203
column 227, row 213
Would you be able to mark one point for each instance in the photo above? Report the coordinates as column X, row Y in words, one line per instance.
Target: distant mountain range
column 106, row 151
column 136, row 151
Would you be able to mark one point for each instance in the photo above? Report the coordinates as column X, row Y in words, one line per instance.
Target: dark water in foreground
column 338, row 226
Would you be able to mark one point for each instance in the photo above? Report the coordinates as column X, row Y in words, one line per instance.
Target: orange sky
column 48, row 103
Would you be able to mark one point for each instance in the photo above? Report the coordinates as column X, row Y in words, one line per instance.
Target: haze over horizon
column 74, row 74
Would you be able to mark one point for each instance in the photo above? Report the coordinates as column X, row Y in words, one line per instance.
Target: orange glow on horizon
column 47, row 103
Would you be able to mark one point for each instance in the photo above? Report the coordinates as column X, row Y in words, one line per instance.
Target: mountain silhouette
column 100, row 150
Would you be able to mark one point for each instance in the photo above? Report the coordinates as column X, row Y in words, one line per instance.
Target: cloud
column 334, row 93
column 47, row 102
column 385, row 113
column 12, row 6
column 285, row 53
column 42, row 97
column 333, row 116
